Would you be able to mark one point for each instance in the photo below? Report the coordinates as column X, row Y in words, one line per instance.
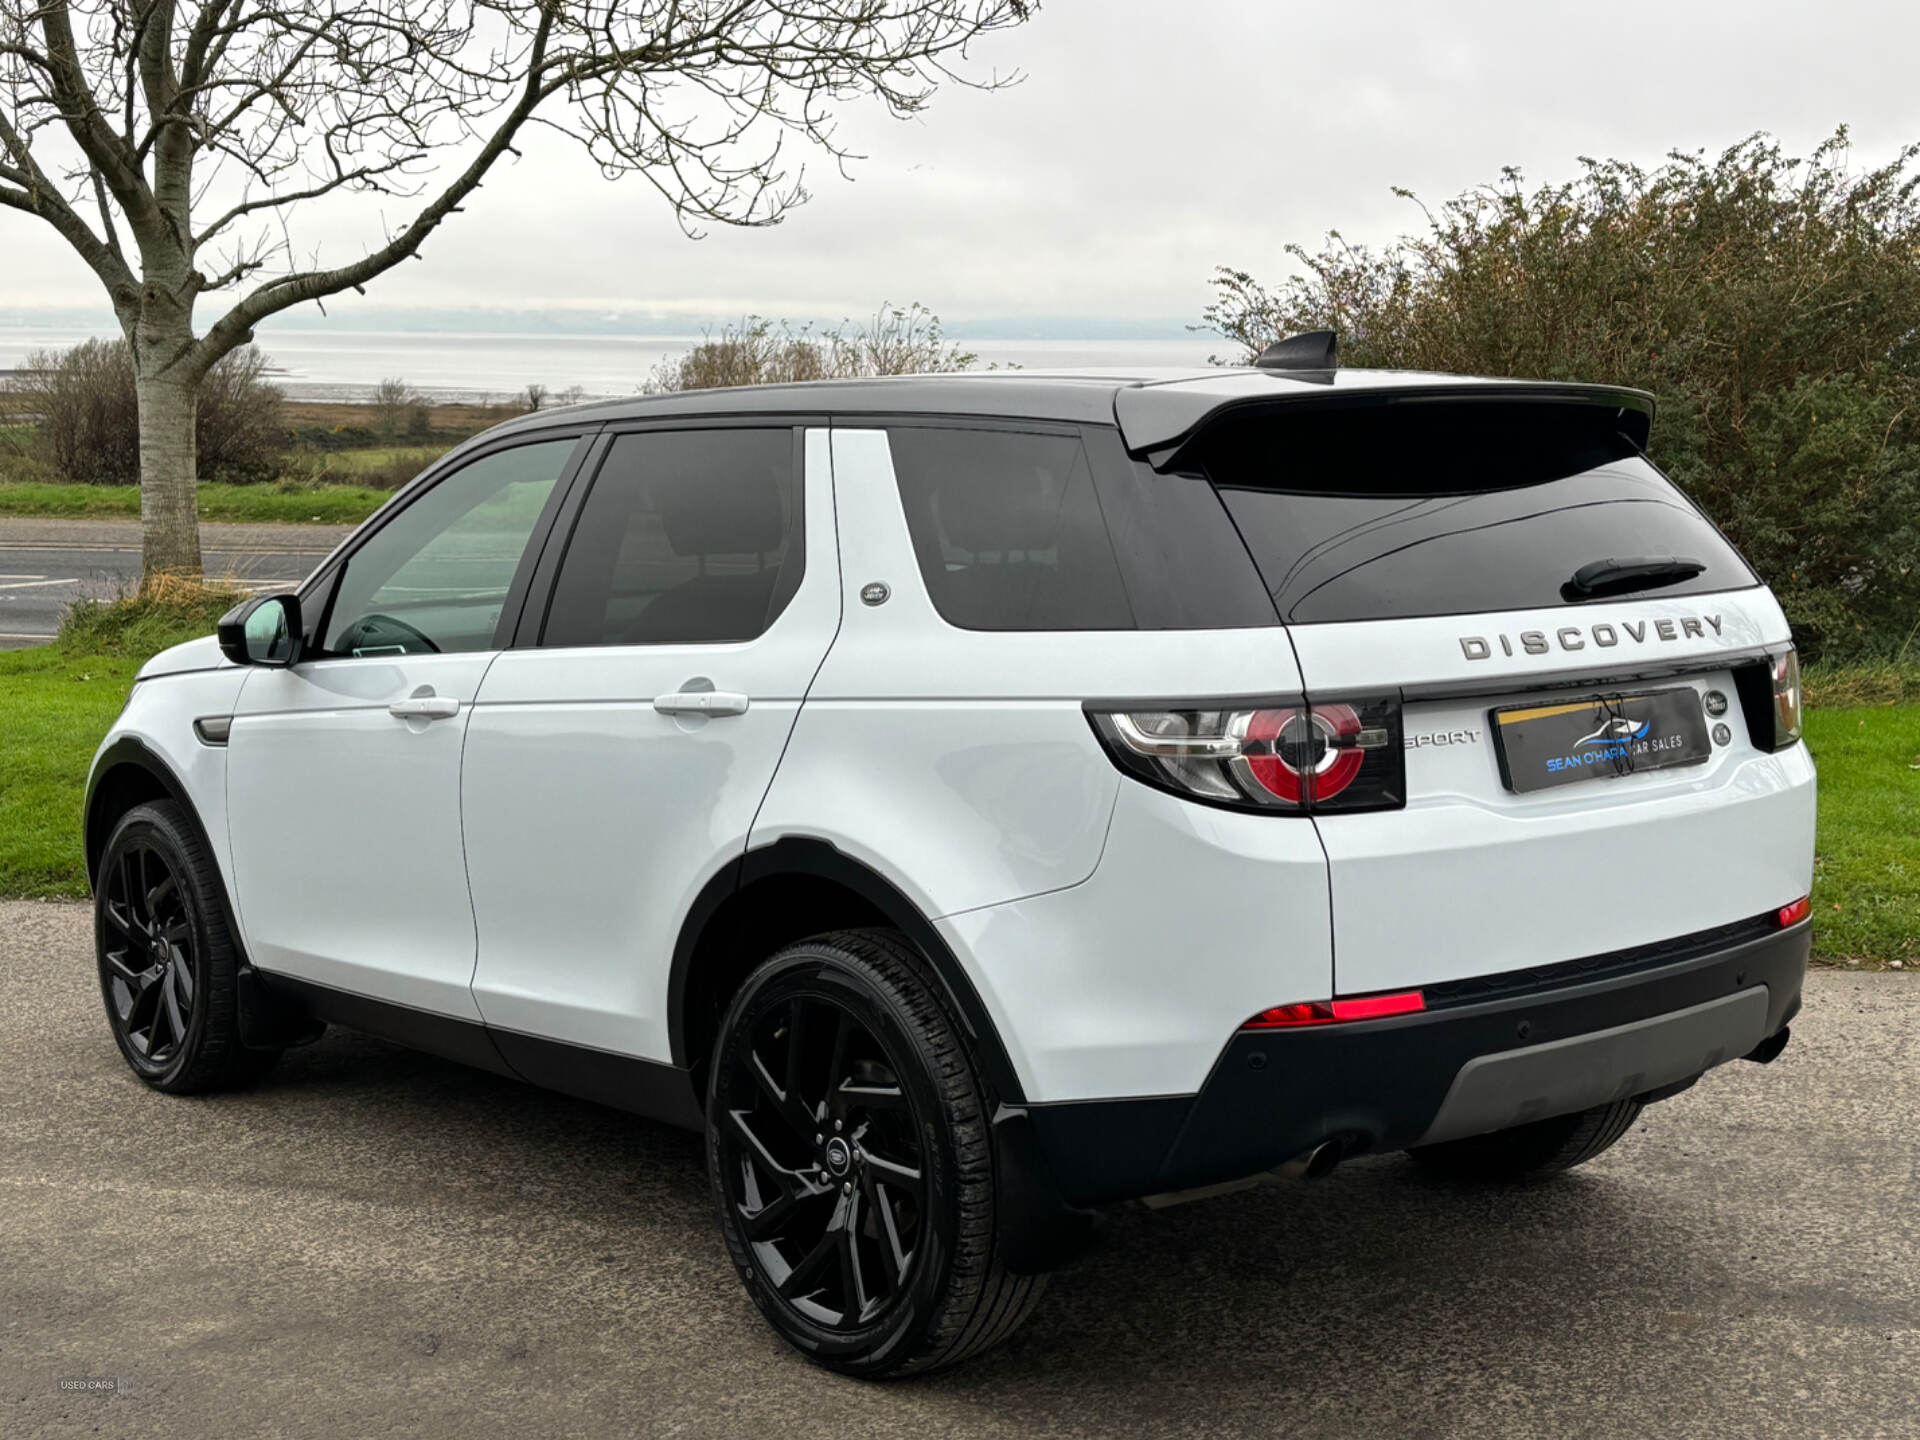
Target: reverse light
column 1328, row 1012
column 1285, row 755
column 1796, row 912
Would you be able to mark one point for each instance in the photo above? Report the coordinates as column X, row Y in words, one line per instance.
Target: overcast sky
column 1150, row 141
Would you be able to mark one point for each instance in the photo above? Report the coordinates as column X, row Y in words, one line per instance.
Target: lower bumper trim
column 1409, row 1079
column 1493, row 1092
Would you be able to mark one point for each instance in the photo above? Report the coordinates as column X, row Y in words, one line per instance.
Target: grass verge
column 284, row 503
column 57, row 702
column 1866, row 873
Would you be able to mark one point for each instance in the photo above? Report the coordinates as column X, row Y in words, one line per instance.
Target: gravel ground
column 376, row 1243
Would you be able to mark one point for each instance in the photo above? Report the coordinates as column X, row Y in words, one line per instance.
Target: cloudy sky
column 1150, row 141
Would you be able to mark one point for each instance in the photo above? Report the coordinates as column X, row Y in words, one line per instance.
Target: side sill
column 648, row 1088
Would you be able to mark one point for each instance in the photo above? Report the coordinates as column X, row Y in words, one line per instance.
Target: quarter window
column 688, row 536
column 1008, row 530
column 435, row 578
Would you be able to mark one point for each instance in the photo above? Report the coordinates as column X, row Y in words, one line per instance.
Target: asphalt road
column 375, row 1243
column 45, row 564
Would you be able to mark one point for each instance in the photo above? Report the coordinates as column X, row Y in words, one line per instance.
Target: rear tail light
column 1770, row 695
column 1793, row 914
column 1284, row 755
column 1328, row 1012
column 1786, row 699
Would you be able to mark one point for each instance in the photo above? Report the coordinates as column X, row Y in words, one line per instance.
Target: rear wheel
column 848, row 1146
column 166, row 958
column 1540, row 1148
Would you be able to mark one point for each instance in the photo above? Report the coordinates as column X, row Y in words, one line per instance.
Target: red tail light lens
column 1796, row 912
column 1282, row 755
column 1328, row 1012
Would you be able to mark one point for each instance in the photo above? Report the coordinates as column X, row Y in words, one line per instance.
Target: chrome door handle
column 701, row 702
column 425, row 707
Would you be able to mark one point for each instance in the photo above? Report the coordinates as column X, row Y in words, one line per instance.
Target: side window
column 436, row 576
column 1008, row 530
column 687, row 536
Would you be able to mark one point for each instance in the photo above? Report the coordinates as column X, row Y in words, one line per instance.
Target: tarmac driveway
column 379, row 1244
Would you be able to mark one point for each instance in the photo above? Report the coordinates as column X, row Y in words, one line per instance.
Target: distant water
column 345, row 365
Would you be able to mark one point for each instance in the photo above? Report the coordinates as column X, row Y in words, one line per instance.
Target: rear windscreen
column 1391, row 510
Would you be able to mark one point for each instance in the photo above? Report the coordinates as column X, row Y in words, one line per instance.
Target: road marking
column 23, row 635
column 36, row 584
column 7, row 546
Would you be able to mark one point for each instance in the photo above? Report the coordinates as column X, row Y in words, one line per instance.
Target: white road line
column 36, row 584
column 23, row 635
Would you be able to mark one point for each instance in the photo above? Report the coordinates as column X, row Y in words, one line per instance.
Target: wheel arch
column 777, row 894
column 128, row 773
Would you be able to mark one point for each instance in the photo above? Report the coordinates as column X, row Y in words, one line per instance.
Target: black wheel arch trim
column 821, row 859
column 130, row 750
column 1037, row 1230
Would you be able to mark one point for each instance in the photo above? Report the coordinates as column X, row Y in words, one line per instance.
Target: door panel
column 346, row 827
column 343, row 773
column 593, row 817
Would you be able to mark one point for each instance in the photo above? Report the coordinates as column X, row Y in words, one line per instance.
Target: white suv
column 975, row 801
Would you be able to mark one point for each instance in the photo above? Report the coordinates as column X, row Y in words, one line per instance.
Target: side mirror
column 262, row 632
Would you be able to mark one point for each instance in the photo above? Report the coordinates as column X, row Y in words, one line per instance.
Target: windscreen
column 1396, row 509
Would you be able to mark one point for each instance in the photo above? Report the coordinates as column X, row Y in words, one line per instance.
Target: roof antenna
column 1310, row 350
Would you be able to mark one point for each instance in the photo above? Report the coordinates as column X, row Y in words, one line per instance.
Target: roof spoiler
column 1309, row 350
column 1158, row 423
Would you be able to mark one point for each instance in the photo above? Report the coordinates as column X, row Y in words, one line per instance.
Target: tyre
column 166, row 957
column 848, row 1147
column 1540, row 1148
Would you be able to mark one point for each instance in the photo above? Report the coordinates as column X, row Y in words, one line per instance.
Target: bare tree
column 154, row 134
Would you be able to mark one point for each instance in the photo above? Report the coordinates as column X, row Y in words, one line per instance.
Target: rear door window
column 687, row 536
column 1388, row 511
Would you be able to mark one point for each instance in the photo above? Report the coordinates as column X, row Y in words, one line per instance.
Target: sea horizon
column 344, row 365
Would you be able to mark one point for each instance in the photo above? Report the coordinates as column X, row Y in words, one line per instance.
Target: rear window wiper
column 1622, row 576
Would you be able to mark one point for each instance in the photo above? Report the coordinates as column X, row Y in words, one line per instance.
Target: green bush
column 1772, row 305
column 759, row 352
column 85, row 415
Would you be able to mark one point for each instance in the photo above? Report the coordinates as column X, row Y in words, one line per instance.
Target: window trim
column 319, row 590
column 545, row 576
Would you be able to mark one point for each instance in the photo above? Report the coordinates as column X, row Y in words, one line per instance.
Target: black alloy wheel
column 849, row 1151
column 167, row 961
column 821, row 1147
column 147, row 955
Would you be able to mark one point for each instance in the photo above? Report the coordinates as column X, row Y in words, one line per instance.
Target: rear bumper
column 1544, row 1047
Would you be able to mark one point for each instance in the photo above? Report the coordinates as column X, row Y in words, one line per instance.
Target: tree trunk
column 169, row 504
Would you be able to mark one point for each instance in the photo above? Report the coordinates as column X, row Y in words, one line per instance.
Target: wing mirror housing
column 265, row 631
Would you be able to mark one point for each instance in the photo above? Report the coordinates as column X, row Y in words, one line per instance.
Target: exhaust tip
column 1314, row 1164
column 1768, row 1050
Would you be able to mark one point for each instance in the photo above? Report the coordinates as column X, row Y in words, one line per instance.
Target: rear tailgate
column 1473, row 878
column 1472, row 556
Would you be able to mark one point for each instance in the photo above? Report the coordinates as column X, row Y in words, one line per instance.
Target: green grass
column 54, row 707
column 323, row 504
column 1866, row 877
column 57, row 702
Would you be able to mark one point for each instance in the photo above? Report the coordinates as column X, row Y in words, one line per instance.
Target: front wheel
column 167, row 960
column 1540, row 1148
column 849, row 1150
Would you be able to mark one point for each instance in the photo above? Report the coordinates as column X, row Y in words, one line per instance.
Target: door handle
column 425, row 707
column 701, row 702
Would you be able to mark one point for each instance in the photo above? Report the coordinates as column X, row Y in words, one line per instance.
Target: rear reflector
column 1796, row 912
column 1327, row 1012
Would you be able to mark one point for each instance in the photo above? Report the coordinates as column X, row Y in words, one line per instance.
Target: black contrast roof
column 1154, row 409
